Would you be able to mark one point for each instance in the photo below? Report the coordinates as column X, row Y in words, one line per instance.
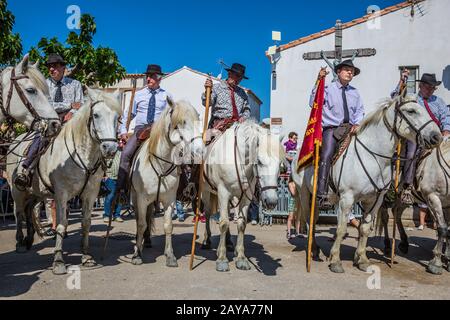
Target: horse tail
column 33, row 213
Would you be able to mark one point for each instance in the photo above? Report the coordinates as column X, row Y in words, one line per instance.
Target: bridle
column 6, row 109
column 172, row 164
column 400, row 114
column 93, row 128
column 256, row 176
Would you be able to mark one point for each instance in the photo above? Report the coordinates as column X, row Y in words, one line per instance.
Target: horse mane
column 272, row 149
column 79, row 124
column 182, row 110
column 376, row 116
column 36, row 77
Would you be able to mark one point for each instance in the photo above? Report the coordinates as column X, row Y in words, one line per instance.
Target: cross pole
column 339, row 54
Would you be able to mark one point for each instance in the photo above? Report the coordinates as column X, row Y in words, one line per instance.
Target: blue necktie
column 151, row 108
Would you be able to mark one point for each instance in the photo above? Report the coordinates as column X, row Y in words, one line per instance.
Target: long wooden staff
column 117, row 197
column 200, row 183
column 402, row 92
column 313, row 203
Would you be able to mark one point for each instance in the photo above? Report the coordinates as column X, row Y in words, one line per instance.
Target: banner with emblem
column 313, row 133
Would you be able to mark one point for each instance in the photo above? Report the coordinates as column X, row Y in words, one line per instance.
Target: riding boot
column 322, row 190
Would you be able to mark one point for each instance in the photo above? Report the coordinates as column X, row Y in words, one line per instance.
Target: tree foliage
column 89, row 65
column 10, row 43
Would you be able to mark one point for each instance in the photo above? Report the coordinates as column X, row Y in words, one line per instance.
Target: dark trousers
column 409, row 169
column 32, row 151
column 126, row 158
column 329, row 145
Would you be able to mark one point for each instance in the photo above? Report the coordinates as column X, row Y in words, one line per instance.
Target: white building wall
column 400, row 41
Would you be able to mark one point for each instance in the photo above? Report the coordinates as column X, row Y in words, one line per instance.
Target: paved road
column 278, row 269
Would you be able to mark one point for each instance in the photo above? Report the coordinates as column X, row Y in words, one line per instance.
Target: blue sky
column 195, row 33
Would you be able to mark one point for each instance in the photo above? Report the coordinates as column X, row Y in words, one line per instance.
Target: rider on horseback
column 66, row 97
column 229, row 102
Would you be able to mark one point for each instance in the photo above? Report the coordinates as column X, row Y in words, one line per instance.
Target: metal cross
column 338, row 54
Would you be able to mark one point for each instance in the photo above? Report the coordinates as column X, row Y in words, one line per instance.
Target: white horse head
column 100, row 116
column 267, row 156
column 407, row 119
column 28, row 102
column 180, row 126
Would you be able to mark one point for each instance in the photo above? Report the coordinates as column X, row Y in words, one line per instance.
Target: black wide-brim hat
column 430, row 78
column 347, row 63
column 154, row 69
column 238, row 69
column 55, row 58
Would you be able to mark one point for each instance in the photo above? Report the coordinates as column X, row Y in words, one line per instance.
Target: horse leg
column 171, row 260
column 59, row 267
column 20, row 245
column 148, row 232
column 229, row 242
column 404, row 243
column 208, row 205
column 88, row 203
column 222, row 264
column 435, row 266
column 361, row 261
column 385, row 223
column 345, row 205
column 141, row 227
column 242, row 262
column 30, row 215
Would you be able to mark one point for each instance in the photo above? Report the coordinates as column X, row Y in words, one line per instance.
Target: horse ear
column 22, row 67
column 91, row 93
column 170, row 102
column 36, row 65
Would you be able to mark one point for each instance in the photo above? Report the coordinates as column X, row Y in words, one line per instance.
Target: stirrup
column 407, row 196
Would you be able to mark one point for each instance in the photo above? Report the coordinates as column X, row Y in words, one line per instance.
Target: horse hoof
column 403, row 247
column 206, row 246
column 448, row 267
column 436, row 270
column 88, row 262
column 171, row 262
column 336, row 268
column 59, row 269
column 363, row 267
column 243, row 264
column 137, row 261
column 222, row 266
column 21, row 249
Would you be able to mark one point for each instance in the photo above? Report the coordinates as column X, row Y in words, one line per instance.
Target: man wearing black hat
column 343, row 109
column 229, row 102
column 149, row 103
column 439, row 113
column 66, row 97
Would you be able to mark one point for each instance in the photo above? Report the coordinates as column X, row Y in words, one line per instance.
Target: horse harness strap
column 162, row 175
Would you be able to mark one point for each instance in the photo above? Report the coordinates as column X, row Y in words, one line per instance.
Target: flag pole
column 200, row 183
column 402, row 92
column 313, row 203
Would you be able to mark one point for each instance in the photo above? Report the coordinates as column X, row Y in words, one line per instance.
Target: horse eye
column 31, row 90
column 411, row 111
column 96, row 116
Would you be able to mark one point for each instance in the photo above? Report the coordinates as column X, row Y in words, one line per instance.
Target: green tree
column 89, row 65
column 10, row 43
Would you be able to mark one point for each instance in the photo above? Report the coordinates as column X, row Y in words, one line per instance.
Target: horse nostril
column 436, row 138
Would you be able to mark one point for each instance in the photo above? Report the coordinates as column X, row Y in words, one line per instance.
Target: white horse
column 23, row 98
column 244, row 154
column 72, row 165
column 155, row 176
column 364, row 172
column 433, row 177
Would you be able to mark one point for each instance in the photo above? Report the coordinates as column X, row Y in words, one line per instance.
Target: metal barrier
column 282, row 209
